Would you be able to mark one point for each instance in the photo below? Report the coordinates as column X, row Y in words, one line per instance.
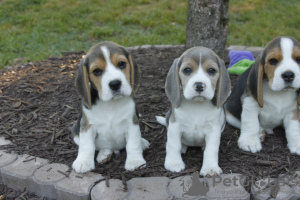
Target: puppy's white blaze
column 286, row 47
column 200, row 60
column 112, row 73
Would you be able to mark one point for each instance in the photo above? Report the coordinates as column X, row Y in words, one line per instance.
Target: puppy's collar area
column 117, row 99
column 199, row 98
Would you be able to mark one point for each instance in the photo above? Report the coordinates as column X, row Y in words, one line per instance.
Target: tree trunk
column 207, row 24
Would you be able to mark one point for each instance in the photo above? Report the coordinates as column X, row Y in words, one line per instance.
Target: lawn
column 37, row 29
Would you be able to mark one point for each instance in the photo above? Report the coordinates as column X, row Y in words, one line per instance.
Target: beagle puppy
column 267, row 95
column 197, row 85
column 106, row 81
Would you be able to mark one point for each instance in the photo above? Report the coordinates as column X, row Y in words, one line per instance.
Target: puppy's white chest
column 276, row 106
column 111, row 136
column 110, row 122
column 196, row 120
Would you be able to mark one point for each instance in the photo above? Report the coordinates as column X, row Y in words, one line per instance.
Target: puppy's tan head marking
column 272, row 60
column 296, row 57
column 274, row 65
column 193, row 72
column 94, row 65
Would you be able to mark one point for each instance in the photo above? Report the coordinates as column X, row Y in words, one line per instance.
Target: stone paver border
column 57, row 181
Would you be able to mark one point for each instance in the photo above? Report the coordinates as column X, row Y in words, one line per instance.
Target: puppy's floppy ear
column 82, row 84
column 135, row 74
column 223, row 86
column 172, row 86
column 255, row 80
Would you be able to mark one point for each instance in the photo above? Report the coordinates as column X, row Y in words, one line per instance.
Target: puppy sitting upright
column 106, row 81
column 197, row 85
column 266, row 96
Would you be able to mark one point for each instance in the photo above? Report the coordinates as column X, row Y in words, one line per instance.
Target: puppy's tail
column 145, row 144
column 161, row 120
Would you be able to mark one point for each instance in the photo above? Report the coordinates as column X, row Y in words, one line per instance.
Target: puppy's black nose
column 115, row 85
column 288, row 76
column 199, row 87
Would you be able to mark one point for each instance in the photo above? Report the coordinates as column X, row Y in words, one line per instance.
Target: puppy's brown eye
column 273, row 61
column 97, row 72
column 187, row 71
column 298, row 59
column 211, row 71
column 122, row 65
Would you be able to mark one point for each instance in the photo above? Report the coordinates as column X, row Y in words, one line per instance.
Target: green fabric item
column 240, row 67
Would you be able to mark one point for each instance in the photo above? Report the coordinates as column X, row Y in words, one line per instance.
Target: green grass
column 256, row 22
column 37, row 29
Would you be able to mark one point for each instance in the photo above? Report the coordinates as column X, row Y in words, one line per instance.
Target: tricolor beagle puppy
column 266, row 96
column 106, row 81
column 197, row 85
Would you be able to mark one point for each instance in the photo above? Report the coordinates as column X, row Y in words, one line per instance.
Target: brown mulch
column 39, row 104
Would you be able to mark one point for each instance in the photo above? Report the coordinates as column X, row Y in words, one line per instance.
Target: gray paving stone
column 148, row 188
column 255, row 50
column 264, row 189
column 17, row 175
column 188, row 187
column 3, row 141
column 147, row 46
column 236, row 47
column 76, row 186
column 6, row 159
column 45, row 177
column 295, row 183
column 114, row 191
column 227, row 186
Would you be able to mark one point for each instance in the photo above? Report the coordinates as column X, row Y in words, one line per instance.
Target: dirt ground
column 39, row 104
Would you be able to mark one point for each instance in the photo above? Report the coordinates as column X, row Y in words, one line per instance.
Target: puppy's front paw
column 251, row 143
column 103, row 158
column 210, row 170
column 83, row 165
column 294, row 147
column 174, row 165
column 132, row 163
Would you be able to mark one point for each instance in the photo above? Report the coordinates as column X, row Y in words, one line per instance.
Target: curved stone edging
column 57, row 181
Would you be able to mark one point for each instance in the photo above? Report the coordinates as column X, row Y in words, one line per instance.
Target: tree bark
column 207, row 24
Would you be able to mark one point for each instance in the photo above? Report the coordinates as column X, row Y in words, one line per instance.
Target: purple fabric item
column 236, row 55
